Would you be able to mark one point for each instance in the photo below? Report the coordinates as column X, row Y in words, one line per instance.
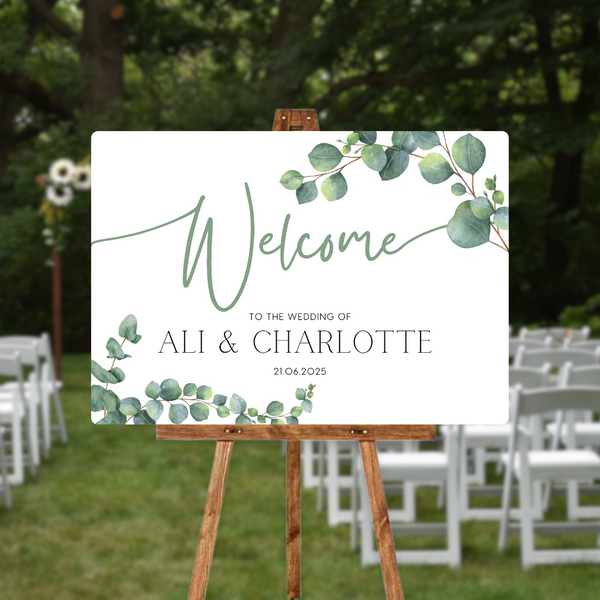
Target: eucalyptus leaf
column 155, row 409
column 374, row 157
column 199, row 411
column 482, row 208
column 296, row 411
column 102, row 375
column 346, row 149
column 490, row 184
column 118, row 374
column 130, row 406
column 290, row 420
column 189, row 389
column 103, row 399
column 501, row 217
column 113, row 418
column 115, row 350
column 204, row 392
column 219, row 400
column 334, row 187
column 468, row 153
column 223, row 411
column 458, row 189
column 143, row 418
column 465, row 229
column 128, row 329
column 291, row 180
column 426, row 139
column 152, row 390
column 262, row 419
column 367, row 137
column 243, row 420
column 170, row 390
column 309, row 395
column 435, row 168
column 397, row 162
column 300, row 393
column 353, row 138
column 307, row 405
column 498, row 197
column 178, row 413
column 277, row 422
column 324, row 157
column 253, row 412
column 275, row 408
column 404, row 140
column 237, row 404
column 307, row 192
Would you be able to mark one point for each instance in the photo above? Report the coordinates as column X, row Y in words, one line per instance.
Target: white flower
column 62, row 171
column 59, row 196
column 82, row 181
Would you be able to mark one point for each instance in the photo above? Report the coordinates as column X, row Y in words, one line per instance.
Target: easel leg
column 381, row 520
column 293, row 519
column 210, row 521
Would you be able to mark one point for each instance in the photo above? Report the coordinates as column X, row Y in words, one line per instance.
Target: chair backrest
column 10, row 365
column 515, row 343
column 557, row 334
column 586, row 375
column 28, row 350
column 535, row 402
column 529, row 377
column 555, row 357
column 589, row 345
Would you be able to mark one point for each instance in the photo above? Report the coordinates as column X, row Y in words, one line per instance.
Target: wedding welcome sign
column 314, row 278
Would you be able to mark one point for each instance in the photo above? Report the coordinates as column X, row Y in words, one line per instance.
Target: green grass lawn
column 116, row 514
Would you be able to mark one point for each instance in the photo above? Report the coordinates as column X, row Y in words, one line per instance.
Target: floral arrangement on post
column 64, row 178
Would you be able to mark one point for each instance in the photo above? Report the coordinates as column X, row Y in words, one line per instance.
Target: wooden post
column 210, row 521
column 57, row 311
column 293, row 519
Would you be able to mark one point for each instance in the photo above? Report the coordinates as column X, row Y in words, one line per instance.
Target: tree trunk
column 102, row 64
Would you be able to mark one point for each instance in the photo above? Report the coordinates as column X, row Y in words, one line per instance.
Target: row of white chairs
column 448, row 468
column 26, row 403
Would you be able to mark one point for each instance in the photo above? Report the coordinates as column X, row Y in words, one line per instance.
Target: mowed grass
column 116, row 514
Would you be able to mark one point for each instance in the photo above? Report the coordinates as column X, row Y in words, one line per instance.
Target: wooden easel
column 295, row 120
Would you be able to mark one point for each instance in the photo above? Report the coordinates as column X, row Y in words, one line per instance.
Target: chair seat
column 564, row 464
column 7, row 408
column 413, row 466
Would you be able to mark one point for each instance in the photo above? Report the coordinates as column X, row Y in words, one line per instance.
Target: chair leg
column 525, row 488
column 333, row 484
column 321, row 471
column 453, row 515
column 62, row 427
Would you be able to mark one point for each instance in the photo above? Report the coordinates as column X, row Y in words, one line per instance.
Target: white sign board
column 292, row 278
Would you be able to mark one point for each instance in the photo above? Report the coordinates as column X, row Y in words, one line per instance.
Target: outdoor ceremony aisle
column 116, row 514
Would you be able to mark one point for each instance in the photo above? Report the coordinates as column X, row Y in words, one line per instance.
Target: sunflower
column 59, row 196
column 82, row 181
column 62, row 171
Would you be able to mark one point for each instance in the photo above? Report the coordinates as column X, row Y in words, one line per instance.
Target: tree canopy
column 530, row 68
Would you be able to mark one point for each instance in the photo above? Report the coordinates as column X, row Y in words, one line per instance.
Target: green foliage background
column 529, row 68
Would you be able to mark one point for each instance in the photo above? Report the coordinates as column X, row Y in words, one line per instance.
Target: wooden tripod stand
column 295, row 120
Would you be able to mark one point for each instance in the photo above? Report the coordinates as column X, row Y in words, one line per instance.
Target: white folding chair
column 586, row 434
column 50, row 385
column 4, row 481
column 481, row 438
column 14, row 416
column 556, row 357
column 542, row 465
column 36, row 401
column 589, row 345
column 557, row 334
column 440, row 466
column 515, row 343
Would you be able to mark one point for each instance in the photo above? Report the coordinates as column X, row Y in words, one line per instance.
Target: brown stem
column 454, row 166
column 499, row 246
column 495, row 228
